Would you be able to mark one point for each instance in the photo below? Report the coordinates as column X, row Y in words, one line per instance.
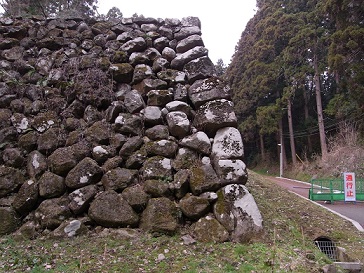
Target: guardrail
column 333, row 190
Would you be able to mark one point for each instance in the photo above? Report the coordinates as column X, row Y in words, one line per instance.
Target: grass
column 291, row 225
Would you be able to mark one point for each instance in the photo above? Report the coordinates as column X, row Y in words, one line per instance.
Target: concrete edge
column 355, row 223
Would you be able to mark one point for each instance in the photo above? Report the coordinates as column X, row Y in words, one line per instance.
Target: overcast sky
column 222, row 22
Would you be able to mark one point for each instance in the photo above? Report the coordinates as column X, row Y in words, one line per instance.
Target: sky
column 222, row 22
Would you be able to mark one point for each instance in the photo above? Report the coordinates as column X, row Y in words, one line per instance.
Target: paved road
column 354, row 211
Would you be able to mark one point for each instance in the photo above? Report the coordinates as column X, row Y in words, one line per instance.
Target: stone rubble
column 118, row 124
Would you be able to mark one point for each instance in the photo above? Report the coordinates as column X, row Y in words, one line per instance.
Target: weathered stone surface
column 202, row 91
column 168, row 53
column 136, row 45
column 194, row 207
column 101, row 153
column 51, row 185
column 150, row 84
column 157, row 188
column 136, row 197
column 118, row 179
column 157, row 167
column 13, row 157
column 128, row 124
column 70, row 229
column 36, row 164
column 200, row 68
column 204, row 178
column 109, row 209
column 130, row 146
column 179, row 106
column 162, row 147
column 86, row 172
column 52, row 212
column 178, row 124
column 181, row 183
column 98, row 132
column 10, row 180
column 187, row 31
column 9, row 220
column 237, row 211
column 185, row 159
column 122, row 72
column 189, row 43
column 199, row 142
column 81, row 198
column 231, row 171
column 214, row 115
column 228, row 144
column 152, row 115
column 26, row 198
column 208, row 229
column 182, row 59
column 141, row 72
column 159, row 97
column 157, row 132
column 160, row 216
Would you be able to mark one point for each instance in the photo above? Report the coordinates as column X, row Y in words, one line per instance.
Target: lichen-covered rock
column 70, row 229
column 86, row 172
column 36, row 164
column 189, row 43
column 158, row 188
column 162, row 147
column 185, row 159
column 129, row 124
column 198, row 141
column 204, row 178
column 214, row 115
column 9, row 220
column 136, row 45
column 159, row 97
column 157, row 132
column 10, row 180
column 152, row 115
column 136, row 197
column 26, row 198
column 204, row 90
column 51, row 185
column 231, row 171
column 122, row 73
column 172, row 77
column 237, row 211
column 81, row 198
column 194, row 207
column 133, row 101
column 178, row 124
column 62, row 160
column 183, row 58
column 118, row 179
column 228, row 144
column 98, row 132
column 199, row 69
column 150, row 84
column 109, row 209
column 181, row 183
column 157, row 167
column 130, row 146
column 160, row 216
column 13, row 157
column 208, row 229
column 52, row 212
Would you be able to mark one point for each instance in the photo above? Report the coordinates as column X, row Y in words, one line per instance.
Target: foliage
column 49, row 8
column 220, row 68
column 289, row 50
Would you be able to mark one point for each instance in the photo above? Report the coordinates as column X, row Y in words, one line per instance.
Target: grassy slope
column 291, row 224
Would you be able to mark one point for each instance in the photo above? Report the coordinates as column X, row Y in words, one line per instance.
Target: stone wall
column 118, row 124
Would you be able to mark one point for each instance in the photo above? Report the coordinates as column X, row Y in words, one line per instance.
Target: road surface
column 351, row 210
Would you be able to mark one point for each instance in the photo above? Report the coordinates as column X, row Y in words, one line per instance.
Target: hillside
column 291, row 225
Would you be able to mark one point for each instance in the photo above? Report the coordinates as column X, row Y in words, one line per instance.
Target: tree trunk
column 320, row 118
column 291, row 134
column 309, row 142
column 262, row 150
